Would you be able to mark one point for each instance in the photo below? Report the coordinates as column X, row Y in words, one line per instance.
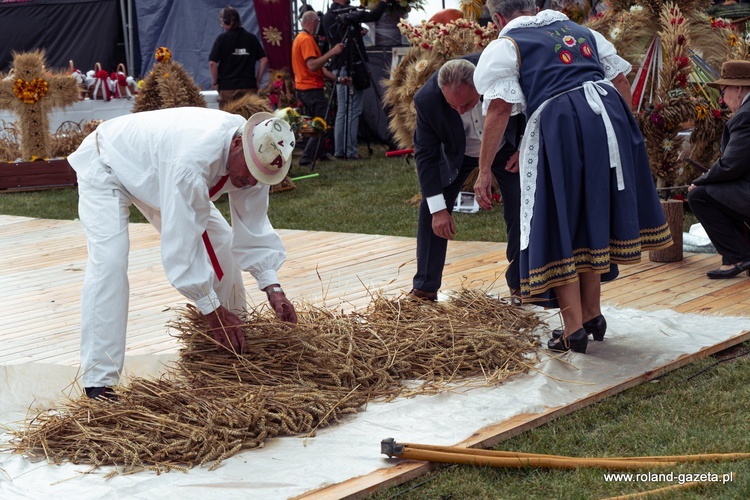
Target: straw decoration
column 168, row 85
column 432, row 45
column 293, row 379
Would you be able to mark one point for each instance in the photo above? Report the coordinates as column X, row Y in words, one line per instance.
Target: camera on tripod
column 352, row 15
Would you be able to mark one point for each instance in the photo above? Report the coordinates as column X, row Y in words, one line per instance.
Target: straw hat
column 267, row 143
column 736, row 73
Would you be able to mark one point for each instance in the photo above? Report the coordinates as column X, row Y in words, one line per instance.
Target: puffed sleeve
column 612, row 63
column 258, row 248
column 497, row 74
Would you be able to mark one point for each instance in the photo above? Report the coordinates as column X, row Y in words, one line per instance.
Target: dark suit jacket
column 728, row 180
column 439, row 139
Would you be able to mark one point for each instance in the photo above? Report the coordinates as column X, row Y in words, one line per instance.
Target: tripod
column 350, row 61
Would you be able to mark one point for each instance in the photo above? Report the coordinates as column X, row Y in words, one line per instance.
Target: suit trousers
column 315, row 104
column 431, row 249
column 104, row 210
column 727, row 229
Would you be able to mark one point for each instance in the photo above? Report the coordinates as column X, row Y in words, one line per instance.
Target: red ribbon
column 212, row 256
column 645, row 70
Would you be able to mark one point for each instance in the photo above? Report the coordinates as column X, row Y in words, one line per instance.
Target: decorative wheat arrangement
column 432, row 45
column 32, row 92
column 168, row 85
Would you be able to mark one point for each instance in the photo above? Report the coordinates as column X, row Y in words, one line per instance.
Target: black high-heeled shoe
column 595, row 327
column 722, row 274
column 575, row 342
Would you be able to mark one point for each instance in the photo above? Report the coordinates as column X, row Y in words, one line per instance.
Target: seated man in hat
column 720, row 198
column 172, row 164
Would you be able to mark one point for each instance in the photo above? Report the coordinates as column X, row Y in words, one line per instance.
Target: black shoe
column 576, row 342
column 596, row 327
column 431, row 296
column 718, row 274
column 101, row 393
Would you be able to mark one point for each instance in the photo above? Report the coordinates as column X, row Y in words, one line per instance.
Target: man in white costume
column 172, row 164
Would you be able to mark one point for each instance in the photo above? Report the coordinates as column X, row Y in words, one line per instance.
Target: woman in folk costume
column 588, row 200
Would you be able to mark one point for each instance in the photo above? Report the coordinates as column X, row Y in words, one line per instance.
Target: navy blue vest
column 553, row 59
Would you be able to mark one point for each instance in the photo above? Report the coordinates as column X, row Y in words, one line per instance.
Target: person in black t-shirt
column 233, row 57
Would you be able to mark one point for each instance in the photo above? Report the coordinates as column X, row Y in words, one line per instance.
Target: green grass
column 367, row 196
column 700, row 408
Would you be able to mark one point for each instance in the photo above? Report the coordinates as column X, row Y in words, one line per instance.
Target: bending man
column 447, row 142
column 172, row 164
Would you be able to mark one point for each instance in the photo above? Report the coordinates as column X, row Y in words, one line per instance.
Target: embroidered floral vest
column 553, row 59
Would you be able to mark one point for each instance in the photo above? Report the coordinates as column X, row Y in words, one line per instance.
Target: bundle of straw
column 10, row 143
column 293, row 379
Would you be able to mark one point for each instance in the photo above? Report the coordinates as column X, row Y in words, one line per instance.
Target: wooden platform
column 42, row 264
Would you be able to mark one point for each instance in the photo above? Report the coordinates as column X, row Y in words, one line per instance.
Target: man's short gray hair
column 456, row 72
column 506, row 8
column 309, row 17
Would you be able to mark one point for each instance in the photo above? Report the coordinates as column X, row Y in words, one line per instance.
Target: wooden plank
column 363, row 486
column 42, row 289
column 29, row 176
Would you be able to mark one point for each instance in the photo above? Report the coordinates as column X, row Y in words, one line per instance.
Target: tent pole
column 125, row 33
column 131, row 58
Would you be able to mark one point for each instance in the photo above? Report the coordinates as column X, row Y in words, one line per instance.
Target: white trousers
column 104, row 209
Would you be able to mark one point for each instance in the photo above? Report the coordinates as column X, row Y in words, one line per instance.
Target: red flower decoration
column 657, row 119
column 682, row 79
column 586, row 50
column 566, row 57
column 681, row 40
column 716, row 113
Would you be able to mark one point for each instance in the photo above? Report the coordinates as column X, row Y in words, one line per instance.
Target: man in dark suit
column 720, row 198
column 446, row 149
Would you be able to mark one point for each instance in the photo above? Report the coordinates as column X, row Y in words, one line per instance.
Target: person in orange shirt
column 309, row 73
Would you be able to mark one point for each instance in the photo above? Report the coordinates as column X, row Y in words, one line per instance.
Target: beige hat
column 735, row 73
column 267, row 143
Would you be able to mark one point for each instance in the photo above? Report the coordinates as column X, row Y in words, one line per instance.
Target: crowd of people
column 557, row 134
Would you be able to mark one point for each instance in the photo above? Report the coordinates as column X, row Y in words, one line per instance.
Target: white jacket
column 168, row 160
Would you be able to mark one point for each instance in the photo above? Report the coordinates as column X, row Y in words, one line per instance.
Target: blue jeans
column 349, row 102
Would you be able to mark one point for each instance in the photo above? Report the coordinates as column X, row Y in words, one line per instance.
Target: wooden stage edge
column 41, row 275
column 363, row 486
